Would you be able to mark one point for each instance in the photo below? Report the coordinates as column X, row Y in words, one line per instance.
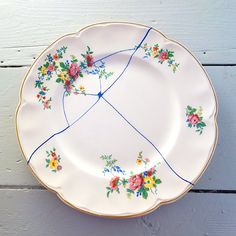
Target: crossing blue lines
column 100, row 97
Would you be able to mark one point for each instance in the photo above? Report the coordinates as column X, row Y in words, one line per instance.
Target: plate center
column 139, row 114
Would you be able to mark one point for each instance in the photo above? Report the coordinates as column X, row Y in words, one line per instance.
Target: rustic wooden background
column 206, row 27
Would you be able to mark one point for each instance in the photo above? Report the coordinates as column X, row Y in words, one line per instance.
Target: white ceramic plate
column 117, row 119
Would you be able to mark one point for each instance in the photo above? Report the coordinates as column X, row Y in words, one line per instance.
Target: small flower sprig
column 140, row 160
column 53, row 160
column 92, row 67
column 67, row 72
column 161, row 55
column 110, row 165
column 195, row 118
column 137, row 184
column 45, row 73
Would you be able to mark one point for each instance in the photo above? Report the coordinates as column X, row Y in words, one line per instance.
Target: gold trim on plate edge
column 161, row 203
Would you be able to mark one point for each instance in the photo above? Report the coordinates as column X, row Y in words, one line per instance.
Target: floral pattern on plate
column 195, row 118
column 148, row 132
column 162, row 55
column 53, row 161
column 140, row 185
column 67, row 72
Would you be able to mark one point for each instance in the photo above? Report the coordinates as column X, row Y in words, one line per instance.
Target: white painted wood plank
column 25, row 56
column 221, row 173
column 206, row 27
column 38, row 212
column 13, row 169
column 20, row 56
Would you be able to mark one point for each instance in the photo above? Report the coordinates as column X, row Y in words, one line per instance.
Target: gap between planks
column 205, row 64
column 35, row 187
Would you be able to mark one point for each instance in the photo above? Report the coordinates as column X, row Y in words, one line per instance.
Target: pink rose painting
column 89, row 59
column 163, row 56
column 46, row 105
column 114, row 182
column 135, row 182
column 51, row 67
column 74, row 70
column 195, row 118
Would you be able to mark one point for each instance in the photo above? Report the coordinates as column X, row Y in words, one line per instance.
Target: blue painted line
column 85, row 112
column 148, row 140
column 63, row 105
column 99, row 96
column 129, row 60
column 46, row 142
column 63, row 130
column 114, row 53
column 110, row 55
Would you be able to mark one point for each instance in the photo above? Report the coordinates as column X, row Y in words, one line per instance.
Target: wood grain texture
column 13, row 169
column 206, row 27
column 221, row 173
column 38, row 212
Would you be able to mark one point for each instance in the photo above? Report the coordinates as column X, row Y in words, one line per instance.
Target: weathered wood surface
column 38, row 212
column 206, row 27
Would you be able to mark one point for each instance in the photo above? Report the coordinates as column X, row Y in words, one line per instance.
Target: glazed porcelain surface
column 117, row 119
